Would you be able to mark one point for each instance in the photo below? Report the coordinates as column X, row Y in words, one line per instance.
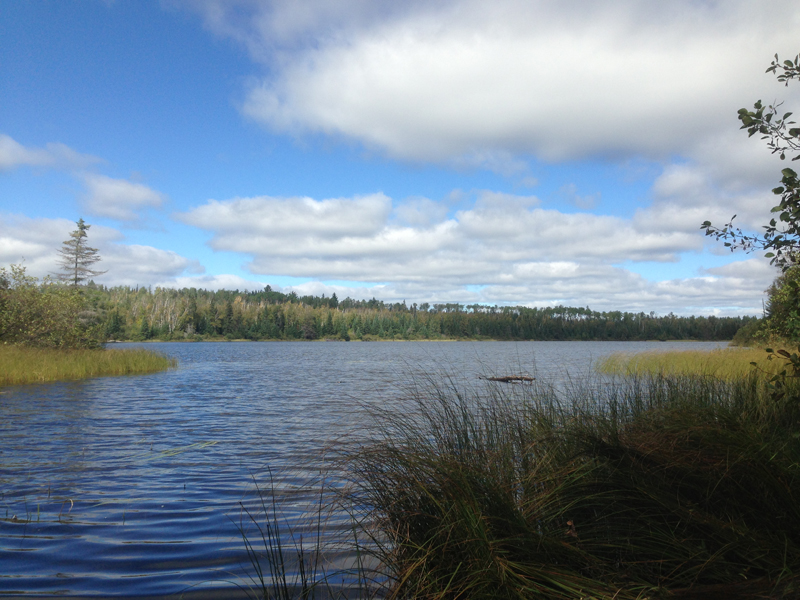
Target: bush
column 44, row 314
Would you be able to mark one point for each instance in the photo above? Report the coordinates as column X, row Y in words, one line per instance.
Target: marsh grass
column 648, row 486
column 725, row 363
column 20, row 364
column 303, row 561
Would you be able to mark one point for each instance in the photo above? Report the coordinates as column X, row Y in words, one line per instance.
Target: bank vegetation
column 51, row 331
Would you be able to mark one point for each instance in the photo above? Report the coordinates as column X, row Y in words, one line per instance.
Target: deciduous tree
column 781, row 237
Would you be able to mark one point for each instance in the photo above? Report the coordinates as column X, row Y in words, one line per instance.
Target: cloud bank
column 501, row 249
column 466, row 81
column 34, row 243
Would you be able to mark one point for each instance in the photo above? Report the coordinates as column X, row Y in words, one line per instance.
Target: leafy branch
column 781, row 237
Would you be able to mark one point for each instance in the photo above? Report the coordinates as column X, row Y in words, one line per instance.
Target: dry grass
column 726, row 363
column 19, row 364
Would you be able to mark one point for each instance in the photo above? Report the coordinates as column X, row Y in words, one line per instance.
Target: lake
column 133, row 486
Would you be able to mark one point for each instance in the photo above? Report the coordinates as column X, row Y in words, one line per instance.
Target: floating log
column 509, row 378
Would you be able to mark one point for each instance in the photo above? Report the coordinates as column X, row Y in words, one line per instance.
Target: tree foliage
column 77, row 257
column 192, row 314
column 44, row 314
column 781, row 237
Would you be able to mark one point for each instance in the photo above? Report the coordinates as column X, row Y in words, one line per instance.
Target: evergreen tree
column 77, row 257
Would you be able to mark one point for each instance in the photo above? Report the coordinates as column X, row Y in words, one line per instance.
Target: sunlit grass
column 725, row 363
column 20, row 364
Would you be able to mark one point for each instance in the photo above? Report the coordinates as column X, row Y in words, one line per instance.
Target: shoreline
column 186, row 341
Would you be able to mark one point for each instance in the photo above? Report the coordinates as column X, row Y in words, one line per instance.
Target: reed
column 304, row 561
column 20, row 364
column 725, row 363
column 650, row 486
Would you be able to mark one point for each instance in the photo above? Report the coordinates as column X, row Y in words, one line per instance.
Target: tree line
column 136, row 314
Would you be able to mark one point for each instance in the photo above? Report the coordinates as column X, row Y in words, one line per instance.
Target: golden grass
column 19, row 364
column 725, row 363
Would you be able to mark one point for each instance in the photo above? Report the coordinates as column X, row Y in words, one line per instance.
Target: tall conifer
column 77, row 257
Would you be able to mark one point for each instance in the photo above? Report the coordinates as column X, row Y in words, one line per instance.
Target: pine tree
column 77, row 257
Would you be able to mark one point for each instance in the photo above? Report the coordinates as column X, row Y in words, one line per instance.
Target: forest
column 143, row 313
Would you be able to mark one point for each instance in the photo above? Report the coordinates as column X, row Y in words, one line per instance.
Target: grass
column 725, row 363
column 19, row 364
column 304, row 561
column 652, row 486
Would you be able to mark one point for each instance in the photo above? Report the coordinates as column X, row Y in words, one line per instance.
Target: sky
column 513, row 152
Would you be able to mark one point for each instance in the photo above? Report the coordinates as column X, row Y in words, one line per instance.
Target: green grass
column 653, row 486
column 19, row 364
column 725, row 363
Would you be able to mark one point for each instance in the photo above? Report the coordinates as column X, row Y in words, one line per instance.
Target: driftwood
column 509, row 378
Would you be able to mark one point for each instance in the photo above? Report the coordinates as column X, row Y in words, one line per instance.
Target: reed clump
column 725, row 363
column 22, row 364
column 650, row 486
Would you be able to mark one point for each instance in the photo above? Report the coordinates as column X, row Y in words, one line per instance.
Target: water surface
column 132, row 485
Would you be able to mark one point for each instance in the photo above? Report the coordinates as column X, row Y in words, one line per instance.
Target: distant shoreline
column 481, row 340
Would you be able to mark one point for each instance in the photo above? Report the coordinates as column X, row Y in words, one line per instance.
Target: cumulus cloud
column 133, row 264
column 118, row 198
column 420, row 212
column 471, row 83
column 35, row 243
column 355, row 238
column 602, row 288
column 506, row 246
column 54, row 155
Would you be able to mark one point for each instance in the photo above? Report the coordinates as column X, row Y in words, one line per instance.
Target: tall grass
column 646, row 487
column 20, row 364
column 315, row 558
column 725, row 363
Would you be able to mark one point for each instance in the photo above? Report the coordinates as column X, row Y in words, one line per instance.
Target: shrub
column 44, row 314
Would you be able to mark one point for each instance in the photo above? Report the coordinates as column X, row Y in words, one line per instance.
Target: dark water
column 132, row 485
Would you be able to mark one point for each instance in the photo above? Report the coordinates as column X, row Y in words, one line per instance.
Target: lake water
column 132, row 486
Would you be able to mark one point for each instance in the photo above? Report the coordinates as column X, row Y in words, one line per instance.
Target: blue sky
column 536, row 153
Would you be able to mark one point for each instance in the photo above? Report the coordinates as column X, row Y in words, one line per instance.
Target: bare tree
column 77, row 257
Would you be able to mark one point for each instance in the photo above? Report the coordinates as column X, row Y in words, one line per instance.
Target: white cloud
column 472, row 83
column 286, row 219
column 213, row 282
column 600, row 288
column 356, row 239
column 35, row 243
column 132, row 264
column 506, row 245
column 419, row 212
column 54, row 155
column 486, row 275
column 118, row 198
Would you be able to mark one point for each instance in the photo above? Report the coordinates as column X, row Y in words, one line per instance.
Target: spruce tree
column 77, row 257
